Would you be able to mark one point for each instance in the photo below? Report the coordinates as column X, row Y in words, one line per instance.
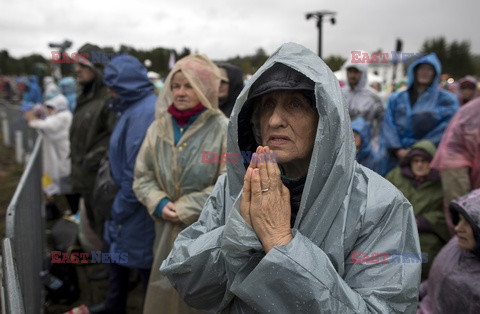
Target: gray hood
column 362, row 67
column 346, row 212
column 331, row 167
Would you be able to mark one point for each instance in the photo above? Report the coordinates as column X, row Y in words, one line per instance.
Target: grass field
column 10, row 173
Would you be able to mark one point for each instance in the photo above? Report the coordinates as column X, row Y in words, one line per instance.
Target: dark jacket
column 91, row 127
column 235, row 86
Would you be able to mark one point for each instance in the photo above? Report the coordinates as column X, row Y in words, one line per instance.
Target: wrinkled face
column 420, row 166
column 466, row 239
column 184, row 96
column 425, row 73
column 358, row 140
column 353, row 76
column 84, row 74
column 288, row 126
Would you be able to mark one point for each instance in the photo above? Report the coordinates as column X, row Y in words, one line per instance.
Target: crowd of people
column 325, row 174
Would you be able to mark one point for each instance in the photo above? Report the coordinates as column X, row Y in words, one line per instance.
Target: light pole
column 63, row 47
column 319, row 16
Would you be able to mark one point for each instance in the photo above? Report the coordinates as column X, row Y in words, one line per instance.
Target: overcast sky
column 226, row 28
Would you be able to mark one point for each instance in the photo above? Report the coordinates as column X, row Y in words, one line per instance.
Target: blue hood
column 33, row 80
column 128, row 78
column 67, row 85
column 429, row 59
column 361, row 126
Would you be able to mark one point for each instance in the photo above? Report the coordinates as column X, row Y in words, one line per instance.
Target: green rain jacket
column 427, row 201
column 219, row 265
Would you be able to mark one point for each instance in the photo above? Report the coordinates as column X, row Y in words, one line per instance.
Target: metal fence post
column 19, row 147
column 5, row 129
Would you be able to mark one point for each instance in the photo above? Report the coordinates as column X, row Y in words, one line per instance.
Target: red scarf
column 182, row 117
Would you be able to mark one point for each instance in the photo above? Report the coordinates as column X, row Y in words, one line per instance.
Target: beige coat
column 164, row 169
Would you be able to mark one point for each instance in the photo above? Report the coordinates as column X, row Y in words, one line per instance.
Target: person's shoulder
column 381, row 195
column 218, row 120
column 65, row 115
column 397, row 97
column 470, row 111
column 146, row 105
column 447, row 96
column 393, row 174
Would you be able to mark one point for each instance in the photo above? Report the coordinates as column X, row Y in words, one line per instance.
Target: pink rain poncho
column 453, row 284
column 460, row 143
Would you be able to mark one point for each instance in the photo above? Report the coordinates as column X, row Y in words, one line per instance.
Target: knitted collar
column 182, row 117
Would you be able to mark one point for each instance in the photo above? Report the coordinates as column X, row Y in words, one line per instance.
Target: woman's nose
column 277, row 119
column 459, row 227
column 181, row 91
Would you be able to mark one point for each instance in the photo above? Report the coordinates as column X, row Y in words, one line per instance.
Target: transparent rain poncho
column 218, row 263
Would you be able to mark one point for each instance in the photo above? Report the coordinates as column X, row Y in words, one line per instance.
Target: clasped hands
column 265, row 201
column 169, row 213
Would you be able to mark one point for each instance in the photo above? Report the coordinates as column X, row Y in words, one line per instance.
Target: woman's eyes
column 290, row 104
column 295, row 104
column 180, row 86
column 268, row 104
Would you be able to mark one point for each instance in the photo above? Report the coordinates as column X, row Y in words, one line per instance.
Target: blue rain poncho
column 405, row 124
column 366, row 156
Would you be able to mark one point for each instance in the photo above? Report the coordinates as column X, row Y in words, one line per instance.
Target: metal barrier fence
column 24, row 241
column 15, row 131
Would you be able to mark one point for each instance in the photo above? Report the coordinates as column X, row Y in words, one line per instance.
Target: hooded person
column 92, row 125
column 50, row 88
column 33, row 93
column 130, row 231
column 453, row 284
column 286, row 238
column 231, row 85
column 56, row 144
column 68, row 88
column 420, row 112
column 421, row 185
column 458, row 156
column 362, row 100
column 366, row 156
column 176, row 167
column 467, row 89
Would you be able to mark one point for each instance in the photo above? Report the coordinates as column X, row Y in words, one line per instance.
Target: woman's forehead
column 283, row 93
column 178, row 76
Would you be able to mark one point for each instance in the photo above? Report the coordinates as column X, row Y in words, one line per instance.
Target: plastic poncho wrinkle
column 460, row 144
column 344, row 207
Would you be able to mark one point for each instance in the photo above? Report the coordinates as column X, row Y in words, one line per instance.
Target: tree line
column 456, row 59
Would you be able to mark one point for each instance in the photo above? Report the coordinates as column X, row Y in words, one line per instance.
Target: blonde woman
column 170, row 178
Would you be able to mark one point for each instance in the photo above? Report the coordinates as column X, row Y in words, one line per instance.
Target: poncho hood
column 332, row 162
